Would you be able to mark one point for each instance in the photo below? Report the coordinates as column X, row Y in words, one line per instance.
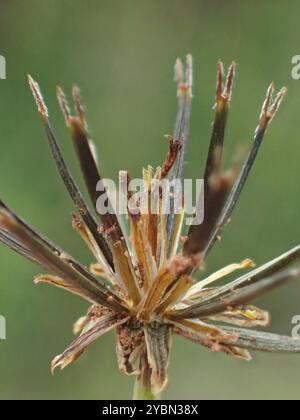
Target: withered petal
column 158, row 343
column 211, row 337
column 91, row 332
column 196, row 290
column 244, row 316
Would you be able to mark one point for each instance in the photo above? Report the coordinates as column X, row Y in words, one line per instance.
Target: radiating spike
column 254, row 276
column 67, row 177
column 263, row 341
column 111, row 226
column 89, row 334
column 267, row 114
column 181, row 131
column 40, row 250
column 216, row 183
column 236, row 298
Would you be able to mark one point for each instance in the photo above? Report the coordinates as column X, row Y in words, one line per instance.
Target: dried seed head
column 38, row 97
column 144, row 286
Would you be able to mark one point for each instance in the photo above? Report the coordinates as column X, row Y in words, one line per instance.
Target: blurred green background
column 121, row 53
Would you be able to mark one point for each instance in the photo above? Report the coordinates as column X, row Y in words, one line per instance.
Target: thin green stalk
column 142, row 387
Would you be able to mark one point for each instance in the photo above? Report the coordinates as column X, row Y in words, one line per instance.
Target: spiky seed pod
column 142, row 285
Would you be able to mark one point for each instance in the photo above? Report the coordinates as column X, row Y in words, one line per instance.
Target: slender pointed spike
column 66, row 176
column 265, row 119
column 63, row 103
column 216, row 184
column 189, row 74
column 266, row 105
column 40, row 103
column 82, row 144
column 14, row 245
column 56, row 261
column 262, row 341
column 223, row 98
column 266, row 270
column 211, row 337
column 239, row 297
column 277, row 102
column 220, row 75
column 229, row 81
column 181, row 131
column 78, row 104
column 102, row 326
column 178, row 74
column 45, row 242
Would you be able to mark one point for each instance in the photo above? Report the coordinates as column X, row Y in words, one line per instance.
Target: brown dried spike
column 158, row 342
column 274, row 266
column 37, row 94
column 270, row 107
column 65, row 174
column 63, row 103
column 229, row 82
column 78, row 104
column 111, row 225
column 238, row 297
column 89, row 334
column 223, row 98
column 174, row 148
column 57, row 262
column 266, row 116
column 215, row 345
column 263, row 341
column 220, row 75
column 200, row 234
column 181, row 131
column 175, row 293
column 166, row 278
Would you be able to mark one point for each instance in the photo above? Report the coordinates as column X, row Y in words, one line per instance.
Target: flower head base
column 142, row 285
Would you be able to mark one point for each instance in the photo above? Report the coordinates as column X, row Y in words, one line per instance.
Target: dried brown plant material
column 141, row 284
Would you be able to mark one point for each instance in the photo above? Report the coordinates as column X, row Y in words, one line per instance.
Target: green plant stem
column 142, row 387
column 141, row 392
